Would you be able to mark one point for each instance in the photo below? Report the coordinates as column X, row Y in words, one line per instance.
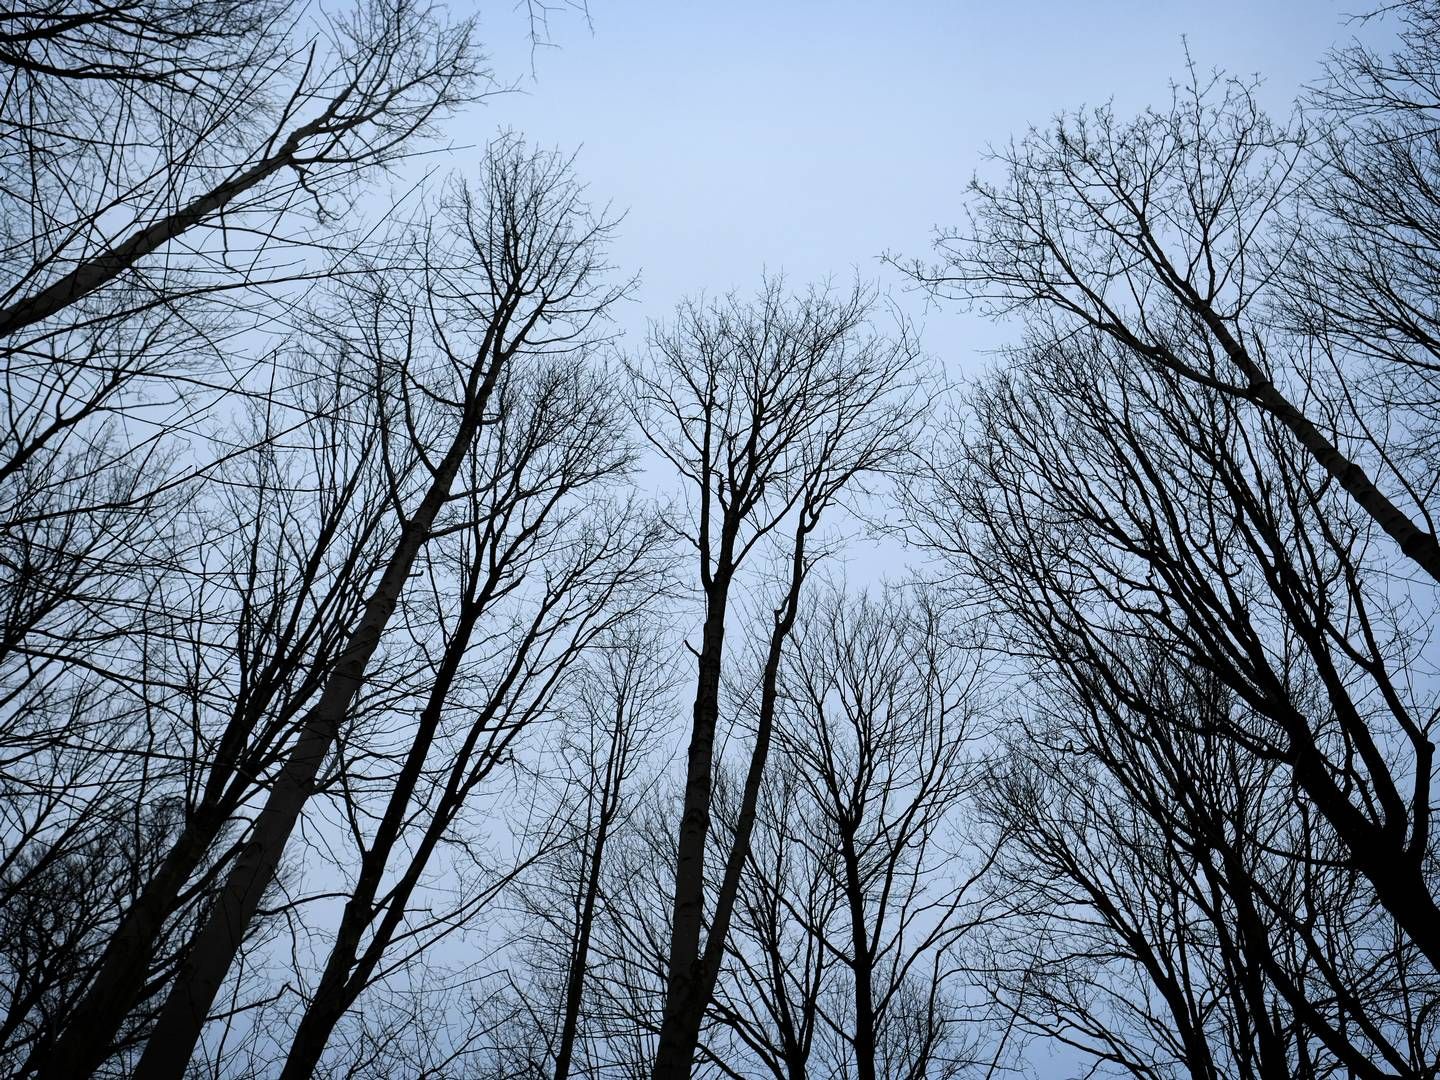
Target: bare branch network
column 403, row 675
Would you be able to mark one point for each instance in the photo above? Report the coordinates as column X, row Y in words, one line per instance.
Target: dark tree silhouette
column 1172, row 235
column 878, row 721
column 1109, row 514
column 771, row 412
column 533, row 287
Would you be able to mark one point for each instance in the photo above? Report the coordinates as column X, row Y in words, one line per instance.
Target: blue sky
column 809, row 137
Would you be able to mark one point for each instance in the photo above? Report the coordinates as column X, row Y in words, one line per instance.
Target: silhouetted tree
column 1173, row 236
column 878, row 718
column 614, row 718
column 1222, row 400
column 1107, row 514
column 528, row 283
column 771, row 412
column 167, row 168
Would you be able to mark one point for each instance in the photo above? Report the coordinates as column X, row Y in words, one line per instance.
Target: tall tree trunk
column 675, row 1058
column 862, row 964
column 118, row 982
column 333, row 994
column 575, row 981
column 679, row 1034
column 348, row 980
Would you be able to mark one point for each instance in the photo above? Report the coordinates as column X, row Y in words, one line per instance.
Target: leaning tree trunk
column 183, row 1016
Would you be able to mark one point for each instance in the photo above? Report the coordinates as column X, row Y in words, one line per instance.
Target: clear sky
column 811, row 136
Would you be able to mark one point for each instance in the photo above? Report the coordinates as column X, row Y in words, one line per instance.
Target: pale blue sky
column 811, row 136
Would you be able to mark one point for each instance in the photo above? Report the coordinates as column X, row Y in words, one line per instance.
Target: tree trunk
column 675, row 1059
column 680, row 1025
column 101, row 269
column 332, row 997
column 575, row 983
column 862, row 965
column 89, row 1034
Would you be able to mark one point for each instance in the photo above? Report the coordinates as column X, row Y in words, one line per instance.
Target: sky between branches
column 809, row 137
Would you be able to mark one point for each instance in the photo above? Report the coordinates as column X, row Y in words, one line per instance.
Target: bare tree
column 229, row 647
column 1224, row 390
column 1180, row 908
column 529, row 284
column 164, row 162
column 615, row 717
column 134, row 263
column 1171, row 234
column 509, row 646
column 1111, row 513
column 881, row 719
column 631, row 939
column 244, row 118
column 770, row 412
column 878, row 721
column 1358, row 278
column 779, row 966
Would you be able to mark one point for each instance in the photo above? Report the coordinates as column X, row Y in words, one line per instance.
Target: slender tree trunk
column 575, row 982
column 348, row 971
column 348, row 980
column 121, row 972
column 675, row 1059
column 329, row 1001
column 862, row 965
column 331, row 997
column 679, row 1035
column 1198, row 1059
column 1255, row 941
